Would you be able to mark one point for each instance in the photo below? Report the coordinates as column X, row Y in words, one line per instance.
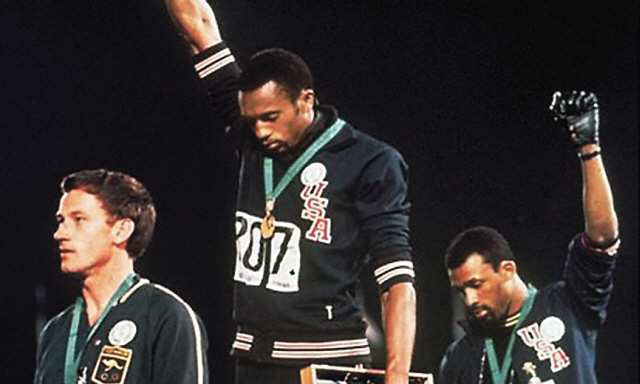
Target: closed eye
column 473, row 284
column 270, row 117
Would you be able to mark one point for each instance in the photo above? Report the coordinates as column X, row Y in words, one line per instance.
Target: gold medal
column 268, row 225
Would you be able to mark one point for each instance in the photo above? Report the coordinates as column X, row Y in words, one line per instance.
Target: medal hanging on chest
column 499, row 374
column 268, row 224
column 72, row 359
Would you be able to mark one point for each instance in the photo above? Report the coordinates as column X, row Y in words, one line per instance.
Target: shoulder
column 379, row 157
column 374, row 156
column 56, row 326
column 57, row 321
column 167, row 307
column 460, row 353
column 162, row 299
column 555, row 293
column 356, row 141
column 371, row 143
column 464, row 345
column 573, row 304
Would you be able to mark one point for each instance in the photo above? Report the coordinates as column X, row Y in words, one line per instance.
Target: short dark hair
column 123, row 197
column 485, row 241
column 285, row 68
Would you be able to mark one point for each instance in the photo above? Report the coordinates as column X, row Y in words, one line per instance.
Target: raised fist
column 578, row 113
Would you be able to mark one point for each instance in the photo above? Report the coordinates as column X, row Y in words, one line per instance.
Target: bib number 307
column 273, row 263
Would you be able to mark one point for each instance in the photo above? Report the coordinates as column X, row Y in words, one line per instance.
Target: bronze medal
column 530, row 369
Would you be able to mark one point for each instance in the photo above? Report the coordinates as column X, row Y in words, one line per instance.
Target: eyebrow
column 467, row 283
column 72, row 213
column 268, row 113
column 472, row 281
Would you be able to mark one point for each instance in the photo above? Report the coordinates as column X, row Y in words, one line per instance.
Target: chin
column 279, row 152
column 486, row 322
column 73, row 272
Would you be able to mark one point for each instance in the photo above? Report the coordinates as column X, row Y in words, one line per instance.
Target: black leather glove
column 578, row 113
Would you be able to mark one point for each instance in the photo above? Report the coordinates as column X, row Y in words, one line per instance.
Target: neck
column 312, row 118
column 521, row 292
column 305, row 140
column 97, row 288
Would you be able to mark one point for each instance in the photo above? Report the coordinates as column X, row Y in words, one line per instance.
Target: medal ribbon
column 72, row 361
column 269, row 192
column 499, row 374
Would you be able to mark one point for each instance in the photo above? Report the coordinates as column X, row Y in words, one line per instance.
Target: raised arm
column 196, row 23
column 601, row 222
column 578, row 112
column 213, row 61
column 399, row 321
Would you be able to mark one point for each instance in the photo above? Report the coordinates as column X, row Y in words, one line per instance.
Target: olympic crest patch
column 113, row 364
column 122, row 333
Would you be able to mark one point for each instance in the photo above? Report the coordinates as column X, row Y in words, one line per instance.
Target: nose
column 59, row 233
column 261, row 130
column 470, row 297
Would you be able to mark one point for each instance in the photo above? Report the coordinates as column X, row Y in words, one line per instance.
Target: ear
column 507, row 269
column 307, row 100
column 122, row 230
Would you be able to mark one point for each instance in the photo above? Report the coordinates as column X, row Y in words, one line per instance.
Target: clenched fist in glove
column 578, row 113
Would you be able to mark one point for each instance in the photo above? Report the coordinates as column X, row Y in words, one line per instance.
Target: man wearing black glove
column 318, row 200
column 516, row 333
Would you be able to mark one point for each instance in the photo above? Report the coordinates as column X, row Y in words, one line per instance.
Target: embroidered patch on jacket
column 112, row 366
column 314, row 204
column 542, row 336
column 122, row 333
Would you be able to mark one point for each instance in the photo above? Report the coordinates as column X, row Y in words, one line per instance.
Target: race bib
column 274, row 262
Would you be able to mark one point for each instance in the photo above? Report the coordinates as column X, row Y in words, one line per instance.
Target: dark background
column 461, row 88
